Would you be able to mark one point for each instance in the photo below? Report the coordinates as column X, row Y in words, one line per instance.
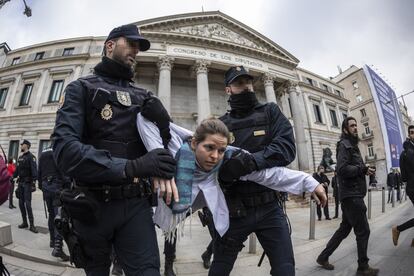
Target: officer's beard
column 243, row 102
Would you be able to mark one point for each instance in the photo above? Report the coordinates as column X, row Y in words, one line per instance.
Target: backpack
column 4, row 178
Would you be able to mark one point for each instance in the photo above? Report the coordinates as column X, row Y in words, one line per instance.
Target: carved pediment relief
column 216, row 31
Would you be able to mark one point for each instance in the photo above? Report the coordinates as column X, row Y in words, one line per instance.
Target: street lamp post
column 27, row 9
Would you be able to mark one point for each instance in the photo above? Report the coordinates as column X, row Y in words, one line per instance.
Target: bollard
column 383, row 199
column 401, row 194
column 252, row 243
column 393, row 197
column 369, row 203
column 312, row 220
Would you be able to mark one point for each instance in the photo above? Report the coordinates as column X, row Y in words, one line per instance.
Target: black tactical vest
column 24, row 165
column 251, row 133
column 113, row 126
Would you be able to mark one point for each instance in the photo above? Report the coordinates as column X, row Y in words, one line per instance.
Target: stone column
column 203, row 97
column 165, row 65
column 301, row 148
column 269, row 87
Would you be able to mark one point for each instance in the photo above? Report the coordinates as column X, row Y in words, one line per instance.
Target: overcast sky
column 322, row 34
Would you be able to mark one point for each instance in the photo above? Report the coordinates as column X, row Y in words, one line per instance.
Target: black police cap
column 26, row 142
column 235, row 72
column 130, row 32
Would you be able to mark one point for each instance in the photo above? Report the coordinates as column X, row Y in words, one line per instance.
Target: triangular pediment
column 215, row 27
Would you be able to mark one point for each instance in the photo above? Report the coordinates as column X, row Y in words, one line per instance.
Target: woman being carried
column 199, row 157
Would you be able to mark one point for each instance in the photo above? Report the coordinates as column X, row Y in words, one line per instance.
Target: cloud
column 321, row 34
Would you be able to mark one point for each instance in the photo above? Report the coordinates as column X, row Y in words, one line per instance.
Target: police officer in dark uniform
column 27, row 172
column 51, row 182
column 96, row 142
column 266, row 133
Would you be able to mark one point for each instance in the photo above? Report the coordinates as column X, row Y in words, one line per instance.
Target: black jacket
column 351, row 170
column 26, row 168
column 407, row 166
column 335, row 186
column 392, row 180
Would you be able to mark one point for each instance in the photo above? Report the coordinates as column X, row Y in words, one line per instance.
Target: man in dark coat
column 351, row 172
column 335, row 194
column 407, row 175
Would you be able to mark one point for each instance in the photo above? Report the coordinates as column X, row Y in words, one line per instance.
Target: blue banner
column 389, row 115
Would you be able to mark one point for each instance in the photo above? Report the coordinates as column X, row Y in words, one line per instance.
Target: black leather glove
column 240, row 163
column 158, row 163
column 153, row 110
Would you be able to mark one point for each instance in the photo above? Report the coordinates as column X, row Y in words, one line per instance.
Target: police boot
column 366, row 270
column 206, row 256
column 23, row 225
column 58, row 251
column 33, row 229
column 168, row 270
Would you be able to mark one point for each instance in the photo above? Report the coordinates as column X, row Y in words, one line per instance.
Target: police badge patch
column 123, row 98
column 106, row 112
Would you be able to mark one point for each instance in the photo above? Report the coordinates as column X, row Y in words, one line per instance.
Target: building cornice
column 319, row 90
column 79, row 57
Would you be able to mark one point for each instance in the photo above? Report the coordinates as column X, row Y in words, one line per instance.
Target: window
column 359, row 98
column 39, row 55
column 14, row 149
column 355, row 85
column 27, row 91
column 317, row 111
column 334, row 119
column 309, row 81
column 290, row 107
column 43, row 144
column 337, row 92
column 55, row 91
column 363, row 113
column 371, row 150
column 3, row 95
column 367, row 129
column 15, row 61
column 68, row 51
column 324, row 87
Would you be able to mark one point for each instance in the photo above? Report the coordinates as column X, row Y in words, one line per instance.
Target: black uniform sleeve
column 16, row 171
column 326, row 180
column 33, row 167
column 39, row 169
column 403, row 168
column 75, row 159
column 282, row 149
column 344, row 166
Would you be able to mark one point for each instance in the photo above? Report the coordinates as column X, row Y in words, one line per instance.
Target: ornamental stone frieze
column 216, row 31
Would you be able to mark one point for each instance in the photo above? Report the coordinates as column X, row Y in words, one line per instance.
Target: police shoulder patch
column 62, row 100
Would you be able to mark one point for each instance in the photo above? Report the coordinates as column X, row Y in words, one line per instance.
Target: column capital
column 165, row 62
column 201, row 66
column 268, row 79
column 291, row 86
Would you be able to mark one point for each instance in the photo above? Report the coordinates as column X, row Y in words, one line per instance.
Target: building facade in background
column 185, row 68
column 381, row 122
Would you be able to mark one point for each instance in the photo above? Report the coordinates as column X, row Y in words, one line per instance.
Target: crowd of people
column 119, row 166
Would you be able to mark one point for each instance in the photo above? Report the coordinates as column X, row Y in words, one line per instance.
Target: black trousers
column 271, row 228
column 325, row 211
column 336, row 205
column 353, row 216
column 11, row 192
column 25, row 202
column 170, row 247
column 52, row 210
column 125, row 225
column 409, row 223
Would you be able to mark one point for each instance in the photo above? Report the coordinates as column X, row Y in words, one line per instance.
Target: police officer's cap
column 130, row 32
column 26, row 142
column 235, row 72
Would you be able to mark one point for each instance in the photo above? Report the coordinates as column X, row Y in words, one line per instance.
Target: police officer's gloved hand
column 154, row 111
column 239, row 164
column 157, row 163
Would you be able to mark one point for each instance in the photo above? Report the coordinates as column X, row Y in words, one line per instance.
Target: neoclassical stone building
column 185, row 68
